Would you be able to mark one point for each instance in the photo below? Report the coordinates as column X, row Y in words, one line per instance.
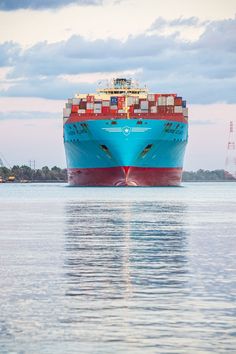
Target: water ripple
column 113, row 276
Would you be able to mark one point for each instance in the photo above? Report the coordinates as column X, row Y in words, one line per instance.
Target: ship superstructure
column 125, row 136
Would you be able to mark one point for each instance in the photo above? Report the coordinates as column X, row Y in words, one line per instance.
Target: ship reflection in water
column 126, row 271
column 136, row 245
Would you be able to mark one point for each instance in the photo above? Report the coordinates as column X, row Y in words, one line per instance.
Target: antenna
column 230, row 162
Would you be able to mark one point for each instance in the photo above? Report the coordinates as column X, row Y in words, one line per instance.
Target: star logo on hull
column 126, row 130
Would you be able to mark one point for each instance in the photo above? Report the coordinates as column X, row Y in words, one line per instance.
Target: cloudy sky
column 51, row 49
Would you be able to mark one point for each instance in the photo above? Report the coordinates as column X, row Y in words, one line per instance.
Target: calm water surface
column 118, row 270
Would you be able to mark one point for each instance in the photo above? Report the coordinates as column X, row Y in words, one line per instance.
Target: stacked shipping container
column 120, row 105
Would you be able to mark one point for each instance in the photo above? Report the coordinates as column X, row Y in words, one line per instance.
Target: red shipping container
column 151, row 104
column 89, row 111
column 169, row 109
column 74, row 108
column 131, row 109
column 114, row 111
column 82, row 105
column 90, row 99
column 121, row 102
column 178, row 101
column 156, row 96
column 105, row 110
column 120, row 105
column 161, row 109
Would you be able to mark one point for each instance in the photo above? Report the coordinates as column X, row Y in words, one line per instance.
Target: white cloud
column 203, row 70
column 4, row 71
column 113, row 19
column 188, row 29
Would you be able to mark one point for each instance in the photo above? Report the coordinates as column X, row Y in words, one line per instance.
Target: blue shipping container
column 184, row 104
column 114, row 101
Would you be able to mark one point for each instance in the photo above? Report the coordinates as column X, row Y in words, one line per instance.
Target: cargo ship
column 122, row 135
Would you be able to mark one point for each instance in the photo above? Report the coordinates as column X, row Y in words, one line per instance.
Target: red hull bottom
column 124, row 176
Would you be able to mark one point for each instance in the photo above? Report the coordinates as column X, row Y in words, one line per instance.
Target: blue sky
column 52, row 49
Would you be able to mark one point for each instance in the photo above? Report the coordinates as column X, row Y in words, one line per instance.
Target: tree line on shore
column 25, row 173
column 57, row 174
column 206, row 175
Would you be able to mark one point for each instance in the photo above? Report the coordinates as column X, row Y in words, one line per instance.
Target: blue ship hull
column 125, row 151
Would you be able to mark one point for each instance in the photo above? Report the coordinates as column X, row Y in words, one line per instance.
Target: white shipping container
column 66, row 112
column 137, row 110
column 151, row 97
column 97, row 110
column 161, row 101
column 121, row 111
column 97, row 105
column 178, row 109
column 106, row 103
column 153, row 109
column 170, row 101
column 70, row 100
column 81, row 111
column 76, row 101
column 89, row 105
column 114, row 107
column 130, row 100
column 185, row 112
column 68, row 105
column 144, row 105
